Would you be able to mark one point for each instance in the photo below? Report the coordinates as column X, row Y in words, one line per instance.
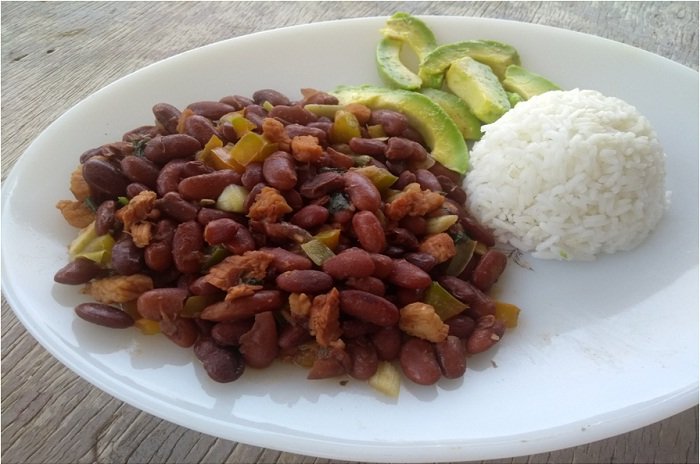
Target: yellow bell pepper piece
column 507, row 313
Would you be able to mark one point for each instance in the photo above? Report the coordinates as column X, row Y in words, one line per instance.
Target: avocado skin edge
column 439, row 131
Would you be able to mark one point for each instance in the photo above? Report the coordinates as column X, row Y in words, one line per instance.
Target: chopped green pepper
column 445, row 305
column 317, row 251
column 345, row 127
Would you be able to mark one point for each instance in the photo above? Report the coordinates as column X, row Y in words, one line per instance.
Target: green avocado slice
column 390, row 67
column 437, row 129
column 468, row 124
column 496, row 55
column 411, row 31
column 478, row 86
column 399, row 30
column 526, row 83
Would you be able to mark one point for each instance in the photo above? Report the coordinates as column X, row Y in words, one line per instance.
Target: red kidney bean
column 368, row 307
column 199, row 128
column 259, row 345
column 393, row 122
column 402, row 238
column 294, row 130
column 221, row 364
column 252, row 175
column 139, row 134
column 396, row 167
column 104, row 315
column 304, row 281
column 364, row 358
column 369, row 231
column 452, row 357
column 127, row 258
column 279, row 170
column 187, row 245
column 272, row 96
column 353, row 328
column 368, row 284
column 477, row 231
column 427, row 180
column 453, row 191
column 211, row 109
column 164, row 230
column 252, row 195
column 177, row 207
column 158, row 256
column 310, row 216
column 169, row 177
column 79, row 271
column 440, row 170
column 425, row 261
column 167, row 116
column 237, row 101
column 322, row 184
column 195, row 168
column 165, row 148
column 417, row 225
column 404, row 178
column 479, row 303
column 139, row 169
column 208, row 185
column 488, row 332
column 330, row 362
column 292, row 335
column 285, row 260
column 206, row 215
column 387, row 342
column 183, row 332
column 406, row 296
column 104, row 179
column 200, row 286
column 489, row 269
column 418, row 361
column 363, row 193
column 292, row 114
column 399, row 148
column 284, row 231
column 134, row 188
column 161, row 302
column 371, row 147
column 221, row 230
column 382, row 265
column 104, row 217
column 352, row 262
column 407, row 275
column 244, row 307
column 335, row 159
column 461, row 326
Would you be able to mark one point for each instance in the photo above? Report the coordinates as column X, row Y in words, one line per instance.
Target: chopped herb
column 251, row 281
column 90, row 203
column 139, row 146
column 338, row 202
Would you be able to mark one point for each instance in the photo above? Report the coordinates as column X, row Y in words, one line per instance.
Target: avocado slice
column 437, row 129
column 468, row 124
column 399, row 30
column 495, row 54
column 478, row 86
column 411, row 31
column 390, row 67
column 526, row 83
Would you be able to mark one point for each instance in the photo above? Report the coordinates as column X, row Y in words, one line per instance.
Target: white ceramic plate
column 602, row 348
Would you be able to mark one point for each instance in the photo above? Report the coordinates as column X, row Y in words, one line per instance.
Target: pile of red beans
column 376, row 269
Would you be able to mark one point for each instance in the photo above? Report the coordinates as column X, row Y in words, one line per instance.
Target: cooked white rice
column 569, row 175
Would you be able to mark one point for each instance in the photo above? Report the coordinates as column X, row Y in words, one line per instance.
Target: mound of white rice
column 568, row 175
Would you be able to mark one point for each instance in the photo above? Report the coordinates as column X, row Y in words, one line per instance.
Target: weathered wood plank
column 55, row 54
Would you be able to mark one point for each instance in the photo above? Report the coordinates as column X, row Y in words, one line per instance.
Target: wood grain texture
column 54, row 54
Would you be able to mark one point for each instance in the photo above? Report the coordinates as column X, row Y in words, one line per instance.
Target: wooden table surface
column 54, row 54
